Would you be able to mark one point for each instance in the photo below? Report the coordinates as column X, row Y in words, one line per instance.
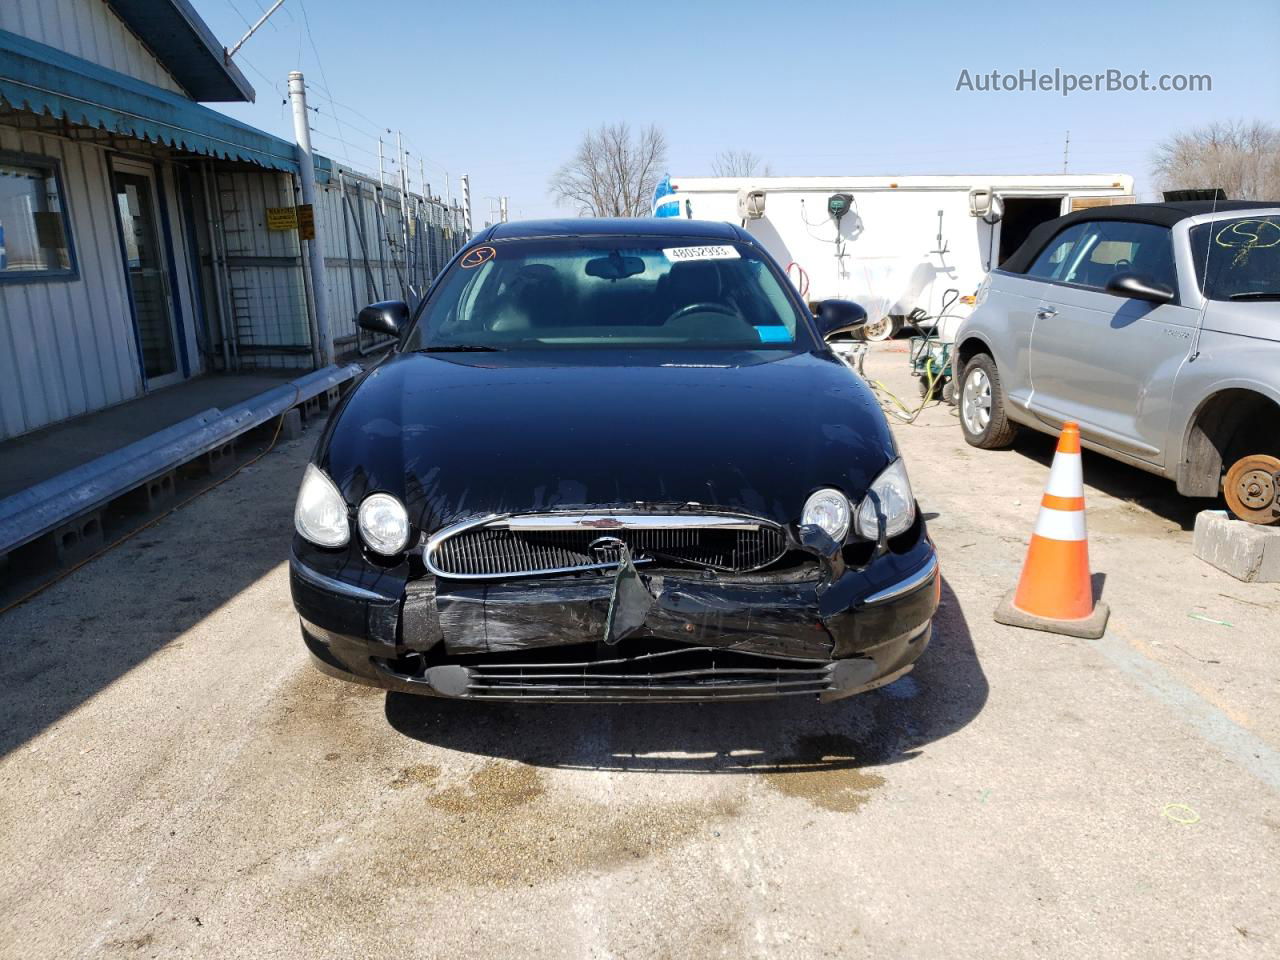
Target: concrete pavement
column 177, row 781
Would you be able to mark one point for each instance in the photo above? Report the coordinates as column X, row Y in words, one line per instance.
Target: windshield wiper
column 1256, row 295
column 459, row 348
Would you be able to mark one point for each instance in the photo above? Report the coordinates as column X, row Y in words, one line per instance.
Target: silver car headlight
column 384, row 524
column 889, row 497
column 829, row 510
column 321, row 514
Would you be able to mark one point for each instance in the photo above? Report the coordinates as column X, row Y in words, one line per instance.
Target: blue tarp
column 46, row 80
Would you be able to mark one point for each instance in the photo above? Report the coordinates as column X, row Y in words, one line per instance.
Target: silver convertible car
column 1157, row 328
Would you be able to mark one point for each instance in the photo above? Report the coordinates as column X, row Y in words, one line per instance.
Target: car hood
column 457, row 436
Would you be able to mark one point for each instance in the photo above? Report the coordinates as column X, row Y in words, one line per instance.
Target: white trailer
column 896, row 245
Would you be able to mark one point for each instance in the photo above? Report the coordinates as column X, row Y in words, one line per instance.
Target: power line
column 232, row 4
column 324, row 93
column 378, row 130
column 320, row 63
column 263, row 11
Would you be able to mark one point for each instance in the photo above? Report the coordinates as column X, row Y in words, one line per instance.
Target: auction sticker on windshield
column 681, row 254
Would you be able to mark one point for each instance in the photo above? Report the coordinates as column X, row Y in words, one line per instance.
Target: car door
column 1017, row 298
column 1105, row 360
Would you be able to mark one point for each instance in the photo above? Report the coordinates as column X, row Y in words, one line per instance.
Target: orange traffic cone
column 1054, row 592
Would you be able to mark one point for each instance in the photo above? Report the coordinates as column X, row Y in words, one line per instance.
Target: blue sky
column 504, row 90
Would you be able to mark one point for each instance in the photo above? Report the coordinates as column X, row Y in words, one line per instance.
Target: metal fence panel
column 378, row 245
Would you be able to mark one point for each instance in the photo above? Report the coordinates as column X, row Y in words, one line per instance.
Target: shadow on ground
column 62, row 647
column 945, row 692
column 1146, row 490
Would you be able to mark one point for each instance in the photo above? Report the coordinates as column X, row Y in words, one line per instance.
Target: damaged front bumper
column 798, row 632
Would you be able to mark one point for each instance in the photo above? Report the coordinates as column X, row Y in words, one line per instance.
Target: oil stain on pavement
column 507, row 824
column 814, row 773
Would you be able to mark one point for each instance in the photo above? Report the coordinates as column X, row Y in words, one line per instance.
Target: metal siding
column 80, row 303
column 68, row 343
column 268, row 301
column 89, row 30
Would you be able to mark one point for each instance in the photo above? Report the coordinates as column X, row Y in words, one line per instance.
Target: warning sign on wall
column 282, row 218
column 306, row 221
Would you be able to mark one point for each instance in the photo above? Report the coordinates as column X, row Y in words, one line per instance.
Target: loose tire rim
column 975, row 401
column 879, row 329
column 1251, row 490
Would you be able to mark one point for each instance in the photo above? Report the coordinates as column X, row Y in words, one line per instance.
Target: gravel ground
column 176, row 780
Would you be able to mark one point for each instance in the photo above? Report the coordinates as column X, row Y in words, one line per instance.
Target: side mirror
column 386, row 316
column 1137, row 287
column 838, row 316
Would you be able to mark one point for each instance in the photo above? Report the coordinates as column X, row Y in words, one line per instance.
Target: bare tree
column 738, row 163
column 613, row 174
column 1241, row 158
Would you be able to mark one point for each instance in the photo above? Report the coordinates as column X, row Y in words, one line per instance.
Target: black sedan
column 612, row 460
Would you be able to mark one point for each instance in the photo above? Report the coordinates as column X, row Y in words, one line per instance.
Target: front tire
column 982, row 406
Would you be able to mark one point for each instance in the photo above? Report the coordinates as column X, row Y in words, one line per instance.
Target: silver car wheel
column 975, row 401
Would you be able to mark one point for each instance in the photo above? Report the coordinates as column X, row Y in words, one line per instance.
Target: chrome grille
column 521, row 546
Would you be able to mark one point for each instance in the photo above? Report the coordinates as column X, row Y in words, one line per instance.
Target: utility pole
column 382, row 184
column 404, row 201
column 1066, row 151
column 502, row 209
column 466, row 206
column 307, row 176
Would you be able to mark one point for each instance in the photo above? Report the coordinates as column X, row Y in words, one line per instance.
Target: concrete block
column 155, row 493
column 218, row 460
column 78, row 538
column 311, row 407
column 1247, row 551
column 290, row 425
column 329, row 399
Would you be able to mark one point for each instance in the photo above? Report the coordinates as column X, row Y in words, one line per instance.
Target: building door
column 147, row 266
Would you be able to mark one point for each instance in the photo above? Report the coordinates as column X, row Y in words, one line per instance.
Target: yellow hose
column 904, row 413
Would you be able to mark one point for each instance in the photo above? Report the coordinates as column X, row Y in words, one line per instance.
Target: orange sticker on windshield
column 473, row 258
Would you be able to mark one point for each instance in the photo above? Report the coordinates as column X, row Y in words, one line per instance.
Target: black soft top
column 1161, row 214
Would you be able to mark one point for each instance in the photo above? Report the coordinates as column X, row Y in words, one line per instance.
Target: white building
column 136, row 250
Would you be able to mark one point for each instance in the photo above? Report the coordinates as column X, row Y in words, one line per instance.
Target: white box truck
column 902, row 247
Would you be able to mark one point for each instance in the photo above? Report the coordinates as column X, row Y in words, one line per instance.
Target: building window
column 35, row 234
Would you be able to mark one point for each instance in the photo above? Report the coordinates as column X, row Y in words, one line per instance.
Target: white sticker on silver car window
column 681, row 254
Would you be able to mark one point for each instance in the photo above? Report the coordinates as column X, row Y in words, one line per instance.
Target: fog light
column 828, row 510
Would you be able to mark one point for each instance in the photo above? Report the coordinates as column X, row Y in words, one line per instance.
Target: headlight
column 321, row 513
column 890, row 496
column 828, row 509
column 384, row 525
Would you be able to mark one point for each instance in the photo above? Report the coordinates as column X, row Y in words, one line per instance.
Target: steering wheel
column 1122, row 265
column 702, row 307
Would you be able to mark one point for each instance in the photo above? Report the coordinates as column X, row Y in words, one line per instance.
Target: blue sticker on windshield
column 774, row 334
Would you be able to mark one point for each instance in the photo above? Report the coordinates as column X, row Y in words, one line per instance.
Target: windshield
column 1238, row 259
column 610, row 292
